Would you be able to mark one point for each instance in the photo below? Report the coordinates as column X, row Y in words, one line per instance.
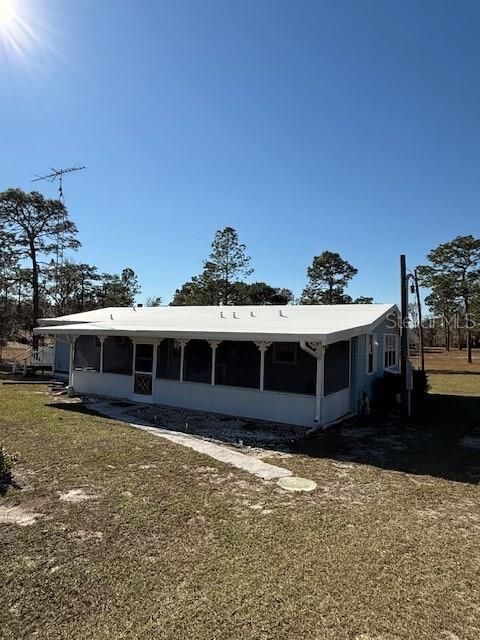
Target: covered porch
column 297, row 382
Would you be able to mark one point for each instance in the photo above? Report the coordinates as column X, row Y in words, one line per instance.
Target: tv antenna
column 57, row 174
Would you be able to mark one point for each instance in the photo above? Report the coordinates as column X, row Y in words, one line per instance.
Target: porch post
column 183, row 344
column 262, row 346
column 317, row 350
column 156, row 344
column 102, row 340
column 214, row 345
column 319, row 388
column 71, row 340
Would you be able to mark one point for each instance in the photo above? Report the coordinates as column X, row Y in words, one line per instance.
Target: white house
column 303, row 365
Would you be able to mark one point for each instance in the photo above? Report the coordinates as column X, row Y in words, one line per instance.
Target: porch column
column 183, row 343
column 214, row 345
column 102, row 340
column 263, row 345
column 319, row 386
column 317, row 350
column 71, row 340
column 156, row 344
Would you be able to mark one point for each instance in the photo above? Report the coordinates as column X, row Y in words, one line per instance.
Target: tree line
column 35, row 280
column 452, row 274
column 221, row 280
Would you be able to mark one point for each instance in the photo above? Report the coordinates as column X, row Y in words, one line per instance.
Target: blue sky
column 344, row 125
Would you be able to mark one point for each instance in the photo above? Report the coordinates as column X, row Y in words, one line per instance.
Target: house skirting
column 276, row 406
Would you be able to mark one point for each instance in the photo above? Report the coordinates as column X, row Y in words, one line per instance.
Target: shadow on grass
column 460, row 372
column 7, row 482
column 430, row 444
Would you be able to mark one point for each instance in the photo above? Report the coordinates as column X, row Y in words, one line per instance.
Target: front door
column 143, row 369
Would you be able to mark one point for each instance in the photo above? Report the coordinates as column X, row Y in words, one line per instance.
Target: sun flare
column 7, row 12
column 17, row 34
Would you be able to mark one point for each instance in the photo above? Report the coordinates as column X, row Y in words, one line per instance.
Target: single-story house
column 302, row 365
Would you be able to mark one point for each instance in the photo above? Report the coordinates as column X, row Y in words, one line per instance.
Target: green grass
column 455, row 384
column 177, row 545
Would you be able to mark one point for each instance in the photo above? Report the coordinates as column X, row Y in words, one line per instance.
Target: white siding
column 249, row 403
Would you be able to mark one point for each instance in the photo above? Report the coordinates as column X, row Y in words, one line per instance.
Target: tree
column 363, row 300
column 328, row 276
column 119, row 290
column 199, row 291
column 155, row 301
column 259, row 293
column 443, row 302
column 73, row 287
column 222, row 270
column 227, row 262
column 9, row 259
column 458, row 263
column 40, row 228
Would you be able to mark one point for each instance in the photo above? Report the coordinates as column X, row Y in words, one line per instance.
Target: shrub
column 6, row 464
column 387, row 389
column 420, row 384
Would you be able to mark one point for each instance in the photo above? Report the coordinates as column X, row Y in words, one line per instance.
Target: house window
column 390, row 351
column 371, row 353
column 284, row 353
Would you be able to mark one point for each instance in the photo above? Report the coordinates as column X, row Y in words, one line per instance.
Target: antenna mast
column 57, row 174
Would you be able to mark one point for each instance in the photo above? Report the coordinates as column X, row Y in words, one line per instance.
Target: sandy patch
column 83, row 536
column 77, row 495
column 18, row 516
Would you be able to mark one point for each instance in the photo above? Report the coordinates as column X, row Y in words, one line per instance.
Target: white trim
column 262, row 346
column 374, row 353
column 396, row 338
column 153, row 344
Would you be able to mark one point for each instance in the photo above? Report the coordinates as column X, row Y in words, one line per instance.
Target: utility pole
column 404, row 393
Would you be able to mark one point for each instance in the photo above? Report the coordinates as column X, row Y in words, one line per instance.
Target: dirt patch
column 18, row 516
column 250, row 436
column 77, row 495
column 84, row 536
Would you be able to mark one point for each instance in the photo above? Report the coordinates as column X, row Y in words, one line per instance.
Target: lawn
column 166, row 543
column 450, row 373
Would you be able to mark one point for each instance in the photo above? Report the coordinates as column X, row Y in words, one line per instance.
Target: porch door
column 143, row 369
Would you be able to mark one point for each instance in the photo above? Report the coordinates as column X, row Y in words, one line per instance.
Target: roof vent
column 235, row 315
column 111, row 316
column 252, row 315
column 222, row 315
column 282, row 315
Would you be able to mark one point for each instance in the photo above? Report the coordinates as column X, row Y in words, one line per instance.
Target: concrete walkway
column 216, row 451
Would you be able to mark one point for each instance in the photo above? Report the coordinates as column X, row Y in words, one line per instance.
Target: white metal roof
column 325, row 323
